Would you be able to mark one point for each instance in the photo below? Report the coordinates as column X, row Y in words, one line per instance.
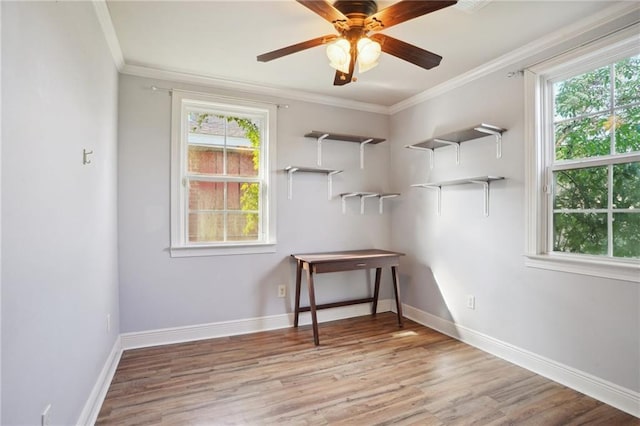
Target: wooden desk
column 344, row 261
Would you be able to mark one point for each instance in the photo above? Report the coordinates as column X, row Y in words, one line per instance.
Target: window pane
column 626, row 185
column 208, row 213
column 243, row 196
column 212, row 137
column 581, row 138
column 237, row 129
column 205, row 160
column 627, row 90
column 626, row 235
column 242, row 226
column 584, row 233
column 580, row 188
column 206, row 195
column 206, row 227
column 204, row 126
column 583, row 94
column 243, row 142
column 627, row 130
column 242, row 162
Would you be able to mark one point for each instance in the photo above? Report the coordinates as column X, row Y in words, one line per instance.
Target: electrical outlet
column 108, row 323
column 471, row 302
column 45, row 419
column 282, row 290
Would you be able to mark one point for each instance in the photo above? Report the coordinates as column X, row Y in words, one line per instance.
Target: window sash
column 556, row 165
column 184, row 102
column 225, row 210
column 540, row 159
column 609, row 210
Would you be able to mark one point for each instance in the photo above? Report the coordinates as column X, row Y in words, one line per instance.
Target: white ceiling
column 221, row 39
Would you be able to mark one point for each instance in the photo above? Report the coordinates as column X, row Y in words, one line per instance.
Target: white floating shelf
column 456, row 138
column 294, row 169
column 362, row 140
column 480, row 180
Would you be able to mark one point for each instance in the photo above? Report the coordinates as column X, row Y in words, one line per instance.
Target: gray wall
column 588, row 323
column 157, row 291
column 59, row 265
column 60, row 230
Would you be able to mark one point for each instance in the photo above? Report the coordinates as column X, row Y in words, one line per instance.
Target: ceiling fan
column 354, row 20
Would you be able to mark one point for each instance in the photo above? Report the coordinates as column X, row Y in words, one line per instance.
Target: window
column 583, row 182
column 222, row 166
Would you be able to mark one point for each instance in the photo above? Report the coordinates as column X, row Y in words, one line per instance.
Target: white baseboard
column 617, row 396
column 91, row 409
column 232, row 328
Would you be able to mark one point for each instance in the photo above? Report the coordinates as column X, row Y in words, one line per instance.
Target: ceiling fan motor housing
column 353, row 8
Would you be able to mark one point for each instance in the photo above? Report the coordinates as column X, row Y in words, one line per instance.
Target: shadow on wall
column 420, row 289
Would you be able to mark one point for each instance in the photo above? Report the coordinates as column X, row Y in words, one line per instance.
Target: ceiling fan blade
column 341, row 78
column 266, row 57
column 325, row 10
column 403, row 11
column 408, row 52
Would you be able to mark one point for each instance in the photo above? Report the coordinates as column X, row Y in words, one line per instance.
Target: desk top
column 350, row 255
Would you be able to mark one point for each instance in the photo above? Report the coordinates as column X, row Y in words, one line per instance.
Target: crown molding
column 251, row 88
column 525, row 52
column 104, row 17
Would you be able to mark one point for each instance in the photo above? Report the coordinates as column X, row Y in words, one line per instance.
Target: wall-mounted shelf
column 364, row 195
column 480, row 180
column 293, row 169
column 456, row 138
column 362, row 140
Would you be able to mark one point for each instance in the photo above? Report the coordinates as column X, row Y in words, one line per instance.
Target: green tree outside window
column 598, row 114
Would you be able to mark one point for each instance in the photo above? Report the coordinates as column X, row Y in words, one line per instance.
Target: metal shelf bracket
column 362, row 144
column 498, row 136
column 344, row 200
column 456, row 144
column 290, row 173
column 362, row 198
column 438, row 190
column 485, row 186
column 330, row 182
column 419, row 148
column 381, row 198
column 320, row 139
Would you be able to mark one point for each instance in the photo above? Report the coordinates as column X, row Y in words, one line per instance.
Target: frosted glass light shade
column 368, row 54
column 339, row 55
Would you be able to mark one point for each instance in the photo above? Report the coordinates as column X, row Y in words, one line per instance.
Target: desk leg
column 298, row 283
column 376, row 291
column 312, row 306
column 396, row 290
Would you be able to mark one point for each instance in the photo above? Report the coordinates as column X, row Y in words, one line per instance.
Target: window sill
column 614, row 269
column 222, row 250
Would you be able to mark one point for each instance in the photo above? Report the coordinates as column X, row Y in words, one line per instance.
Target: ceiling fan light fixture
column 368, row 54
column 339, row 55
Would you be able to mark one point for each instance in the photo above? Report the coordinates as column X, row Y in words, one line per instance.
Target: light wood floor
column 366, row 371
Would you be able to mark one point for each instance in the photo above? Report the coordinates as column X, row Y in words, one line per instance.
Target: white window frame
column 539, row 156
column 180, row 246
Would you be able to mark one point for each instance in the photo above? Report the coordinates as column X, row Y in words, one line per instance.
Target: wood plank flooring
column 366, row 371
